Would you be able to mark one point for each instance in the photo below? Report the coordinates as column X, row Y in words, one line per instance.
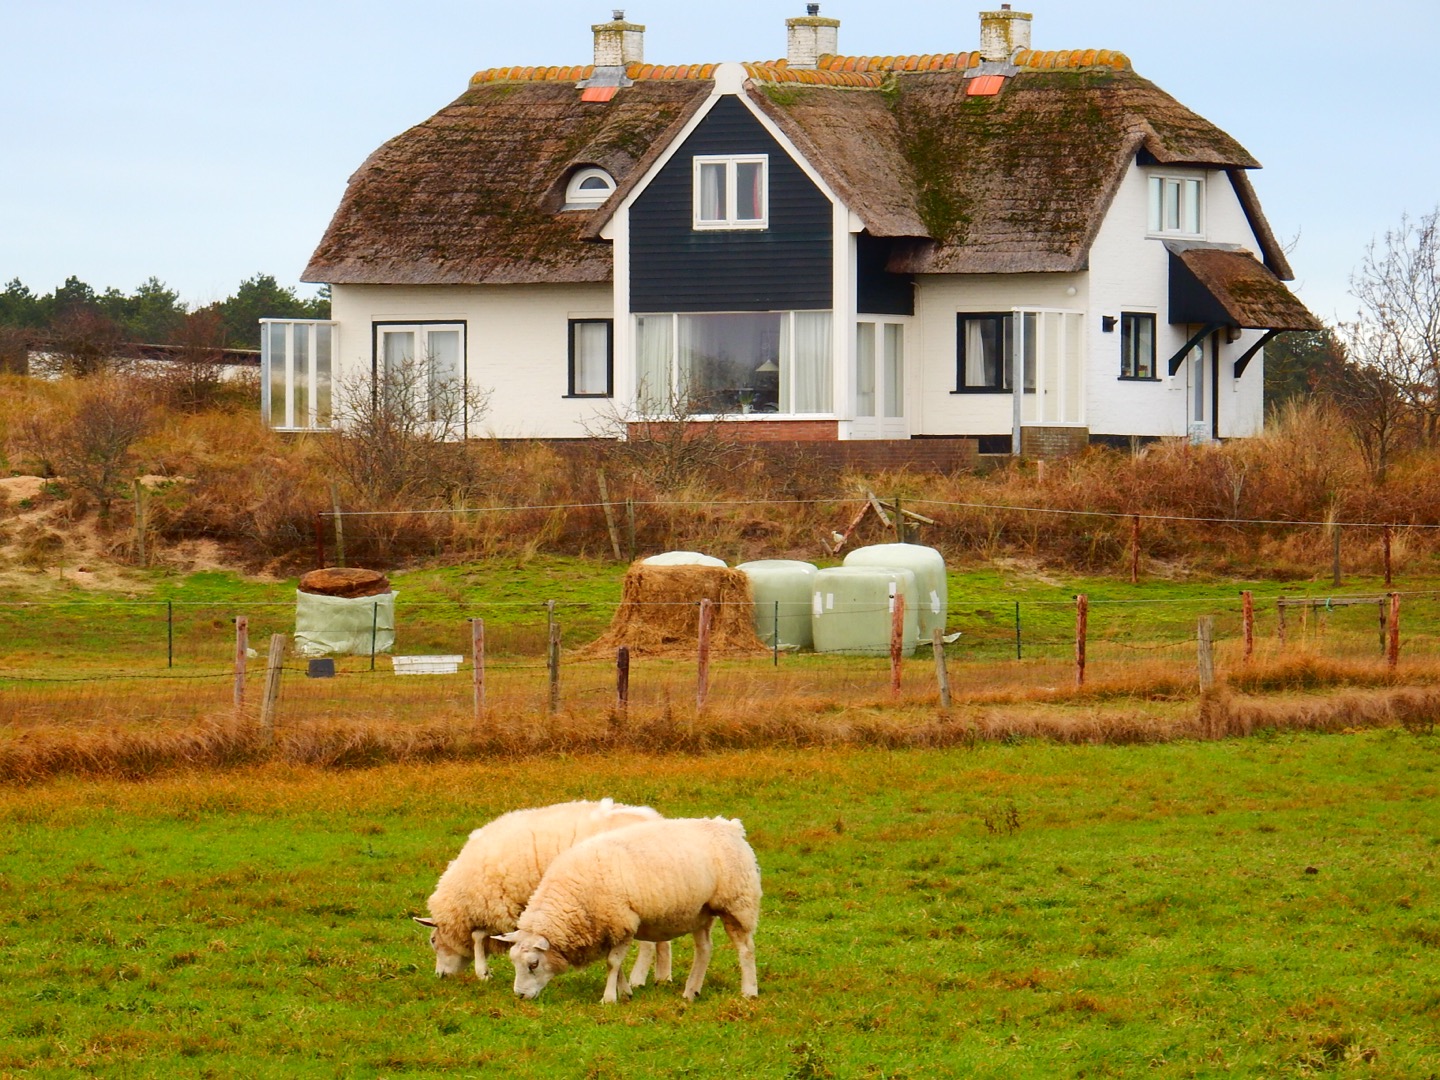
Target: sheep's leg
column 644, row 957
column 615, row 981
column 701, row 962
column 646, row 954
column 744, row 941
column 481, row 941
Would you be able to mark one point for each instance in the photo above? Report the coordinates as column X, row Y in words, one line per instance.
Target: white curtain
column 712, row 192
column 980, row 362
column 691, row 337
column 592, row 347
column 894, row 370
column 814, row 384
column 865, row 369
column 652, row 363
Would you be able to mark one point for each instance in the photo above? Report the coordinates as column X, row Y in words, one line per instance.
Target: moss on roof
column 1014, row 182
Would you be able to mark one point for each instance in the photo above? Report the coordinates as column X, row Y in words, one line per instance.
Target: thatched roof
column 473, row 195
column 1016, row 181
column 1232, row 287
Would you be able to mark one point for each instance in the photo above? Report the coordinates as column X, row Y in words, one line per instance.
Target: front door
column 880, row 380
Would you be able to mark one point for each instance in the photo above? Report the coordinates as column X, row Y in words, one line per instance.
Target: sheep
column 655, row 881
column 486, row 886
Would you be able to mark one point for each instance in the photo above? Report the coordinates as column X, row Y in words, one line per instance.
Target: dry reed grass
column 372, row 731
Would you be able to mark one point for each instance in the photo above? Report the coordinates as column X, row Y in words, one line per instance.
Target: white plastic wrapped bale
column 852, row 609
column 355, row 625
column 928, row 566
column 783, row 590
column 682, row 558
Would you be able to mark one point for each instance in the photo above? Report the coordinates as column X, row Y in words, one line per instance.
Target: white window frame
column 422, row 330
column 731, row 220
column 579, row 197
column 297, row 358
column 1189, row 194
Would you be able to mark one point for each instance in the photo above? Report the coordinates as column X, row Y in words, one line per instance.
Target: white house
column 1029, row 250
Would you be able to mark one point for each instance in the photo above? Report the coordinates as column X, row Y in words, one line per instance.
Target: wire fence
column 88, row 662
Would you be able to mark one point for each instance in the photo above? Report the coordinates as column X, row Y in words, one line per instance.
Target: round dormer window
column 588, row 188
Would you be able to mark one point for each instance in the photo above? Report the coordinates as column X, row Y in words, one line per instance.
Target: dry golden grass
column 139, row 730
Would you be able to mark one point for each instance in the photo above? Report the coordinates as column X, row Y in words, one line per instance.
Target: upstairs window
column 588, row 188
column 731, row 192
column 1177, row 205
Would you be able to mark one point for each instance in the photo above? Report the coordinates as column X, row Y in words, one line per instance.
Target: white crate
column 426, row 665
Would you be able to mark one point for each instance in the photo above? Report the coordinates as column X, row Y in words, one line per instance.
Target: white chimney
column 618, row 42
column 1002, row 33
column 810, row 37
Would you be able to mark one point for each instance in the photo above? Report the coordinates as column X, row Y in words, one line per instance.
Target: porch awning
column 1219, row 286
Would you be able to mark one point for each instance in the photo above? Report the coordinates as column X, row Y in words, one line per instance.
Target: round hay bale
column 659, row 613
column 344, row 582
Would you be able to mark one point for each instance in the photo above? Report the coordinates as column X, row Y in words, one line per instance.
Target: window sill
column 988, row 390
column 730, row 226
column 591, row 396
column 1138, row 378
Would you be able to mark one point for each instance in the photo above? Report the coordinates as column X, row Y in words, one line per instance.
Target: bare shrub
column 90, row 440
column 194, row 379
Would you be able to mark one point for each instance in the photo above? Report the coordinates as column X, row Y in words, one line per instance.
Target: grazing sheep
column 487, row 885
column 654, row 882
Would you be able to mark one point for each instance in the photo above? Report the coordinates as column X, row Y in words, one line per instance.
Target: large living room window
column 985, row 352
column 742, row 362
column 731, row 192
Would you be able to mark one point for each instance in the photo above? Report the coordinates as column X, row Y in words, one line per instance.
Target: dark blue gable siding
column 673, row 267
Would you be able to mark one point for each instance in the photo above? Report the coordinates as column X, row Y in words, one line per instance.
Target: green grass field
column 1259, row 907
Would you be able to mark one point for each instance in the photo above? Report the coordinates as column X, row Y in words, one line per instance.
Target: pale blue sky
column 206, row 142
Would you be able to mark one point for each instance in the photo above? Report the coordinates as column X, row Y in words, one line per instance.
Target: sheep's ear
column 424, row 922
column 509, row 939
column 542, row 944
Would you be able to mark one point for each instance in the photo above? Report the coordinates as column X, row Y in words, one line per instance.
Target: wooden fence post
column 702, row 685
column 477, row 661
column 553, row 662
column 274, row 665
column 1387, row 556
column 609, row 514
column 1082, row 618
column 1204, row 635
column 339, row 527
column 897, row 640
column 1135, row 549
column 942, row 676
column 139, row 522
column 319, row 539
column 1384, row 622
column 1392, row 656
column 242, row 653
column 622, row 678
column 1280, row 620
column 630, row 527
column 1247, row 608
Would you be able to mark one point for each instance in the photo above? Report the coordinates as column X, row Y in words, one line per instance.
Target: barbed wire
column 912, row 501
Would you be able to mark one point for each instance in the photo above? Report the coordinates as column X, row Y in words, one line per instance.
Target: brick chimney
column 618, row 42
column 1003, row 32
column 810, row 37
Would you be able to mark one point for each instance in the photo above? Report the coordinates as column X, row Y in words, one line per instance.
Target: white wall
column 516, row 346
column 936, row 409
column 1130, row 271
